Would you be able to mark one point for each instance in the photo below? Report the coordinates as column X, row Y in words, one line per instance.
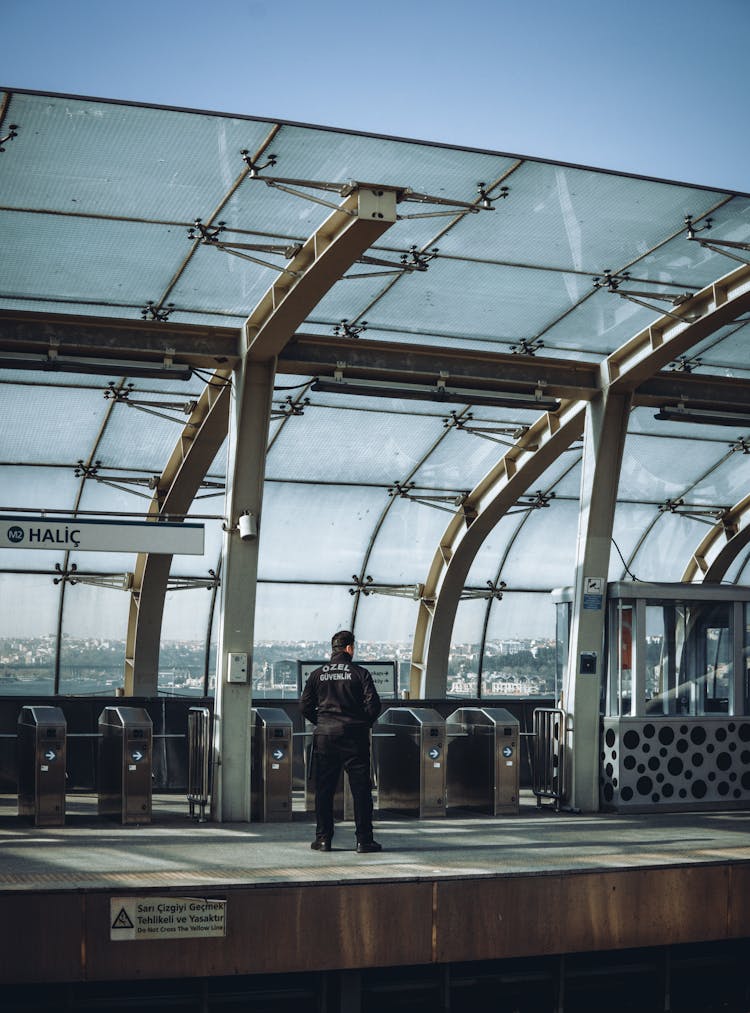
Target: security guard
column 340, row 699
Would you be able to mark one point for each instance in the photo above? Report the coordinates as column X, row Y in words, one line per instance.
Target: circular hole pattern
column 688, row 761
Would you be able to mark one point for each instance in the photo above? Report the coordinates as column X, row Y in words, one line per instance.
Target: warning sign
column 166, row 918
column 122, row 921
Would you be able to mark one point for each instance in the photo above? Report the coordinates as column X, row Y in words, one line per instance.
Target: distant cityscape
column 93, row 667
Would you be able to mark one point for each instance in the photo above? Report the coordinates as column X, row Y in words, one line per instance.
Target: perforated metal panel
column 675, row 764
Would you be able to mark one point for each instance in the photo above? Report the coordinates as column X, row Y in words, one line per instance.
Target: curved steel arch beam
column 630, row 564
column 491, row 498
column 635, row 361
column 199, row 442
column 721, row 546
column 499, row 572
column 343, row 237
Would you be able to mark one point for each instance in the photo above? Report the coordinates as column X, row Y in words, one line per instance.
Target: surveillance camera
column 248, row 527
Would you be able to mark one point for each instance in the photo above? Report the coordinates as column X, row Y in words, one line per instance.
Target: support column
column 249, row 416
column 603, row 443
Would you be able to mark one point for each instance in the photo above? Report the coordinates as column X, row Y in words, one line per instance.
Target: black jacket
column 340, row 696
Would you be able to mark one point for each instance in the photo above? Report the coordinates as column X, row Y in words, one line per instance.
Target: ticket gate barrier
column 483, row 762
column 271, row 765
column 41, row 753
column 125, row 759
column 410, row 747
column 199, row 760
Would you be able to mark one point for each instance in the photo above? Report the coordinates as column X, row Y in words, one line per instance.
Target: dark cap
column 341, row 640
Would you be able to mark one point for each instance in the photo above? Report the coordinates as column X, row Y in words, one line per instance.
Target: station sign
column 77, row 535
column 383, row 675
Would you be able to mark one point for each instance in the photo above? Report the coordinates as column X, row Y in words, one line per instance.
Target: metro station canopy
column 438, row 381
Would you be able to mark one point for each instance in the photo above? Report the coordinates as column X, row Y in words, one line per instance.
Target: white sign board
column 383, row 675
column 166, row 918
column 79, row 535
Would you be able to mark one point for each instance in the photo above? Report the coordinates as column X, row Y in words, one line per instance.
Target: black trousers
column 350, row 751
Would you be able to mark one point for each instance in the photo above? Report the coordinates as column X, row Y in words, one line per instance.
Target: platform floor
column 175, row 851
column 444, row 892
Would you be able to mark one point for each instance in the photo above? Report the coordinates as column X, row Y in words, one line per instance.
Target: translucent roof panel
column 471, row 299
column 488, row 560
column 728, row 483
column 39, row 429
column 117, row 490
column 142, row 435
column 632, row 523
column 601, row 323
column 549, row 534
column 463, row 457
column 342, row 517
column 115, row 159
column 321, row 154
column 216, row 282
column 317, row 609
column 35, row 605
column 88, row 262
column 108, row 206
column 667, row 547
column 406, row 542
column 95, row 613
column 584, row 211
column 724, row 352
column 467, row 631
column 117, row 187
column 369, row 447
column 186, row 618
column 522, row 615
column 385, row 618
column 656, row 470
column 38, row 488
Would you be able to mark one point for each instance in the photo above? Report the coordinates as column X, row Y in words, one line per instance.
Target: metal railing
column 549, row 779
column 199, row 760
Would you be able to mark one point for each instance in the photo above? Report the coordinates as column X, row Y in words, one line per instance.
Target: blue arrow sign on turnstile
column 50, row 755
column 136, row 755
column 278, row 754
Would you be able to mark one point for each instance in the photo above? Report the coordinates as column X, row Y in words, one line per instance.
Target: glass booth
column 675, row 705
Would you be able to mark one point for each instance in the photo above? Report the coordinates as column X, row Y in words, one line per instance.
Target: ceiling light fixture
column 55, row 363
column 442, row 393
column 704, row 416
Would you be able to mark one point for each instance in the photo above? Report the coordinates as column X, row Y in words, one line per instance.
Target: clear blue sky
column 657, row 87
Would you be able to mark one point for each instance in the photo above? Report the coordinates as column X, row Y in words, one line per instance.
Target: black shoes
column 368, row 847
column 363, row 847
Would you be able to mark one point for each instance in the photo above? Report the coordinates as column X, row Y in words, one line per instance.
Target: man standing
column 340, row 699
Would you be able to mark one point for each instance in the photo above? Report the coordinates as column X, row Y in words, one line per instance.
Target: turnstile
column 199, row 760
column 41, row 765
column 410, row 749
column 483, row 762
column 271, row 765
column 125, row 758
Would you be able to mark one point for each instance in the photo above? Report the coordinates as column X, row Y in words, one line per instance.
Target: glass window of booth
column 562, row 643
column 687, row 658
